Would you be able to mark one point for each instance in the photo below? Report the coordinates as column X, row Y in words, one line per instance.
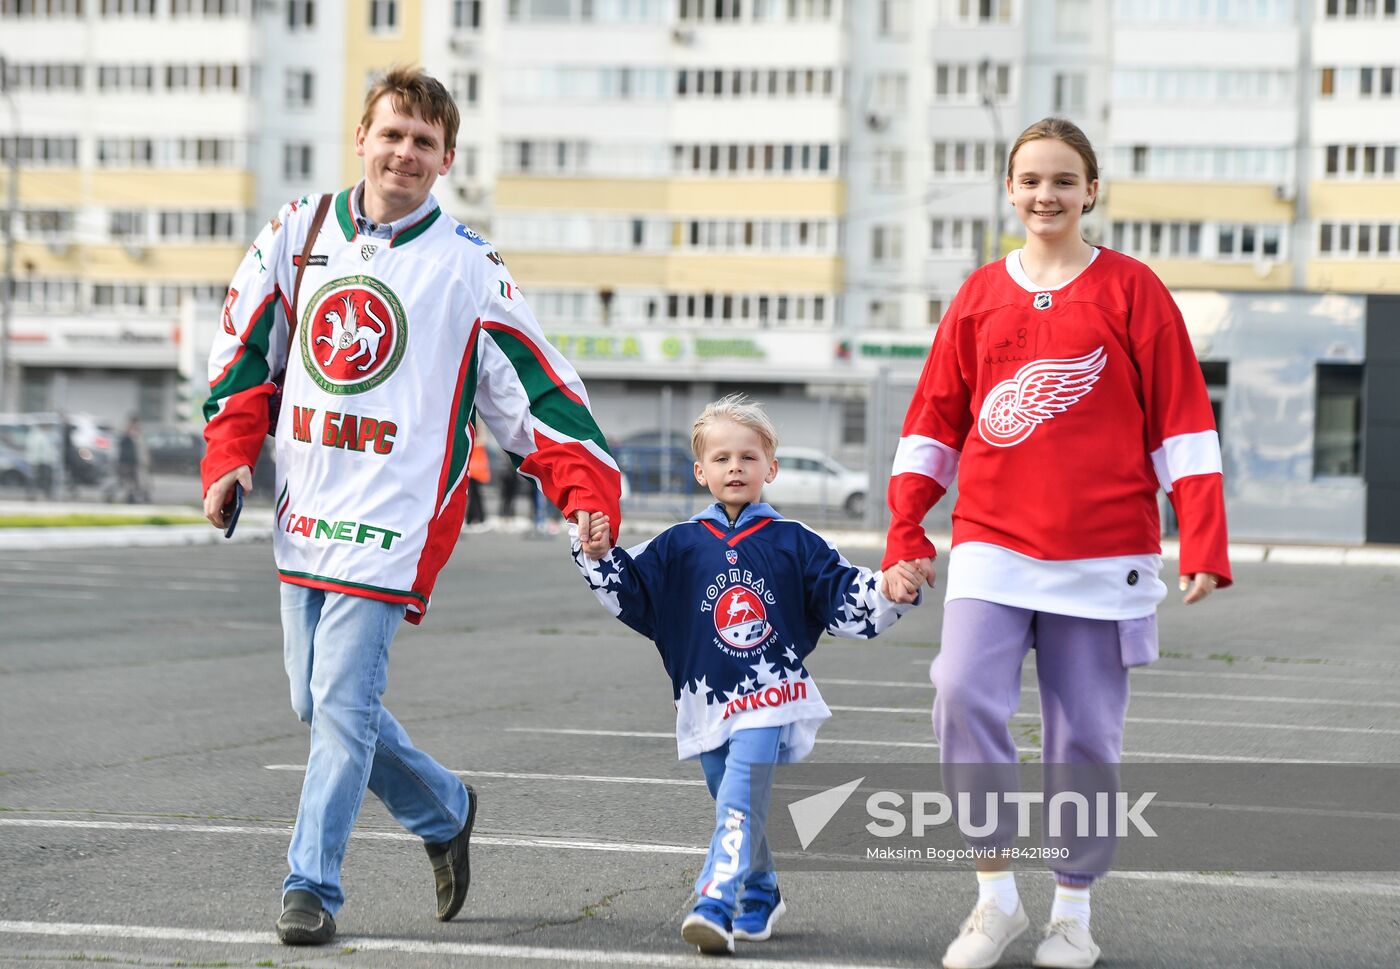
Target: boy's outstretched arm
column 623, row 580
column 849, row 600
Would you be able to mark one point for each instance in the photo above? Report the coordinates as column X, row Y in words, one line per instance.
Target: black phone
column 233, row 509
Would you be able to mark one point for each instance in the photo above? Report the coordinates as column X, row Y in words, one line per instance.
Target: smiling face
column 1050, row 189
column 733, row 465
column 403, row 156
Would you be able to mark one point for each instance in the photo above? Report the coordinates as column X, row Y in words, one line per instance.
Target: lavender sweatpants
column 1080, row 665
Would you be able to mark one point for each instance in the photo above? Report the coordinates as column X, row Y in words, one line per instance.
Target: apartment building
column 137, row 127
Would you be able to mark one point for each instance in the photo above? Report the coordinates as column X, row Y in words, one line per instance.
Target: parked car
column 15, row 471
column 807, row 476
column 653, row 464
column 94, row 444
column 652, row 468
column 175, row 449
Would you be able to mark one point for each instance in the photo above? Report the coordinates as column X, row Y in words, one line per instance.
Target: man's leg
column 348, row 671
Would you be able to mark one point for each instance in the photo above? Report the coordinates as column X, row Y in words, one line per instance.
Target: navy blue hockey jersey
column 734, row 612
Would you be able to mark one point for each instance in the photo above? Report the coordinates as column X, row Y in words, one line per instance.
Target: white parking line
column 554, row 956
column 1158, row 720
column 931, row 745
column 503, row 841
column 521, row 776
column 1296, row 881
column 1148, row 694
column 1314, row 677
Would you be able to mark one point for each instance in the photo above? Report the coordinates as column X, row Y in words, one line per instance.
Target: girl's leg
column 978, row 678
column 1083, row 703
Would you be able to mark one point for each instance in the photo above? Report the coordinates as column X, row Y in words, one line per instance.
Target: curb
column 259, row 529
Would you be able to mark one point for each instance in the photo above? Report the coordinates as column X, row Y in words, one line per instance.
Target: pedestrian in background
column 133, row 464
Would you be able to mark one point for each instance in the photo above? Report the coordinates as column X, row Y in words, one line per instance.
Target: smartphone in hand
column 233, row 509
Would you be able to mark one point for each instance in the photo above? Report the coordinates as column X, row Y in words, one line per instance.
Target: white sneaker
column 985, row 936
column 1067, row 945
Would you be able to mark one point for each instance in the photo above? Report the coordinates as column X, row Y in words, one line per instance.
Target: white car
column 807, row 476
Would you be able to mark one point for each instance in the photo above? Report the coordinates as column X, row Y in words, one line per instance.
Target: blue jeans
column 739, row 860
column 336, row 650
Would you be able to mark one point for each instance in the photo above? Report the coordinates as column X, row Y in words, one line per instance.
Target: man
column 406, row 325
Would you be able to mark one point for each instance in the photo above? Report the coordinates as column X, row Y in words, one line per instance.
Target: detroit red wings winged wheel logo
column 1040, row 390
column 740, row 618
column 353, row 335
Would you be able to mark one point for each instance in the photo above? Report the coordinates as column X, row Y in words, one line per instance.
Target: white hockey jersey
column 400, row 345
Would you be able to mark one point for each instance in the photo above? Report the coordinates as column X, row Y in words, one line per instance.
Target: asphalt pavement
column 151, row 767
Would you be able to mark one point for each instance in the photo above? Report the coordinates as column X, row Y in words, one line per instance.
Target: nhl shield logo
column 367, row 251
column 740, row 618
column 1041, row 301
column 353, row 335
column 731, row 556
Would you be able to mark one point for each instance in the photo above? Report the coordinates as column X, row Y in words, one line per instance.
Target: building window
column 296, row 161
column 466, row 14
column 1071, row 92
column 1337, row 423
column 300, row 89
column 886, row 244
column 465, row 88
column 893, row 19
column 1073, row 20
column 301, row 14
column 383, row 16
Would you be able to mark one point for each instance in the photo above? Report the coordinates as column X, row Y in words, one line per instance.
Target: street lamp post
column 7, row 284
column 987, row 89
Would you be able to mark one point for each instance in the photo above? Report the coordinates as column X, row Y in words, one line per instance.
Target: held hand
column 924, row 568
column 900, row 582
column 594, row 533
column 221, row 491
column 1201, row 584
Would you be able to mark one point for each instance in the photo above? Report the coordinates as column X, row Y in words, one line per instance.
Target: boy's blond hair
column 740, row 410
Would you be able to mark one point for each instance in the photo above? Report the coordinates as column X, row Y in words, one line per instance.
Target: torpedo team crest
column 353, row 335
column 740, row 619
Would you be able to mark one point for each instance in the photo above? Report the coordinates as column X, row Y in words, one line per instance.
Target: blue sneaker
column 758, row 912
column 709, row 929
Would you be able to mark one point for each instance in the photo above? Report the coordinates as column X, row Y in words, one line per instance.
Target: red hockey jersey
column 1061, row 411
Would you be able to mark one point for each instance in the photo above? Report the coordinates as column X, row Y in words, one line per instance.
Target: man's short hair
column 740, row 410
column 415, row 92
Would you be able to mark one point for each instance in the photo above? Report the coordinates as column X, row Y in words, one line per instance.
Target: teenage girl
column 1063, row 390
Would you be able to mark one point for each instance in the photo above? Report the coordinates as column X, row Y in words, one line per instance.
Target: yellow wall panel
column 772, row 274
column 1196, row 201
column 1191, row 274
column 1354, row 275
column 159, row 264
column 365, row 53
column 51, row 186
column 1356, row 200
column 181, row 188
column 683, row 196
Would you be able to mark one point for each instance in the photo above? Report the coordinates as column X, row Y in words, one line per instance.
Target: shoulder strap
column 322, row 207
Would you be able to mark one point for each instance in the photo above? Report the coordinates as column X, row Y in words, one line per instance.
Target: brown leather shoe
column 452, row 869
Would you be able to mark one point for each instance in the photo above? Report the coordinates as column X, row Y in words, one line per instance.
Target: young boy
column 735, row 599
